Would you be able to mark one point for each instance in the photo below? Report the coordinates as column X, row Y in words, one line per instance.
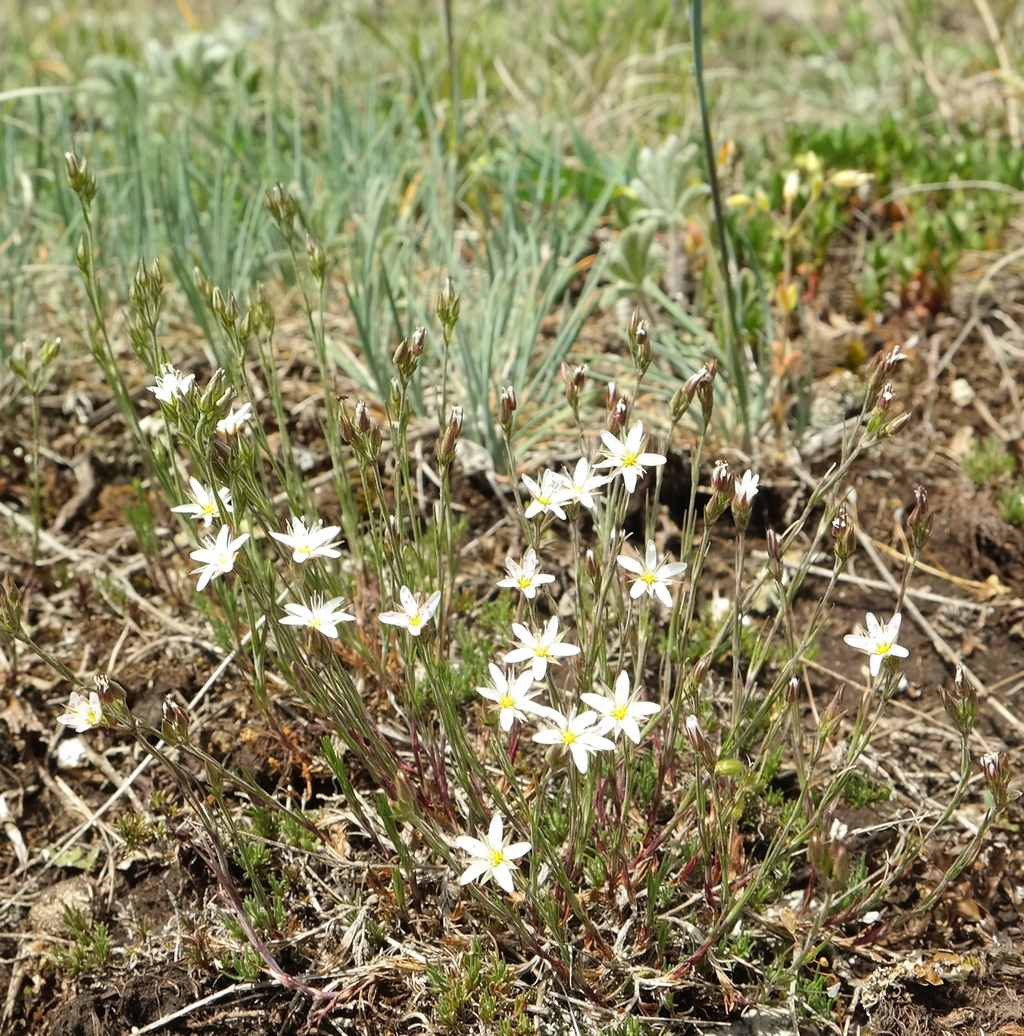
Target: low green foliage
column 89, row 947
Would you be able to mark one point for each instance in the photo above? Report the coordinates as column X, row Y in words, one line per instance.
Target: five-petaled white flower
column 232, row 424
column 548, row 496
column 621, row 712
column 539, row 649
column 204, row 507
column 628, row 458
column 313, row 542
column 171, row 383
column 880, row 641
column 492, row 855
column 653, row 576
column 524, row 575
column 582, row 483
column 514, row 698
column 577, row 733
column 745, row 489
column 322, row 616
column 217, row 556
column 413, row 615
column 81, row 712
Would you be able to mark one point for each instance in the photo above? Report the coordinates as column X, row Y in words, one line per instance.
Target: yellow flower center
column 497, row 857
column 506, row 702
column 569, row 738
column 620, row 713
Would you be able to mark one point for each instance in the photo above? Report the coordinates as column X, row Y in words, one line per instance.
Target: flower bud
column 591, row 567
column 282, row 208
column 920, row 520
column 450, row 437
column 317, row 259
column 617, row 418
column 996, row 768
column 447, row 308
column 706, row 390
column 960, row 702
column 844, row 534
column 174, row 725
column 722, row 486
column 363, row 421
column 849, row 179
column 792, row 692
column 611, row 396
column 774, row 554
column 791, row 186
column 506, row 406
column 639, row 342
column 831, row 715
column 81, row 178
column 10, row 606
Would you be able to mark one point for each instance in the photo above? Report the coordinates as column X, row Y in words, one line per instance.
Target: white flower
column 539, row 649
column 216, row 556
column 745, row 489
column 413, row 615
column 492, row 856
column 313, row 542
column 628, row 458
column 621, row 712
column 577, row 733
column 653, row 577
column 514, row 698
column 548, row 497
column 81, row 712
column 232, row 424
column 879, row 642
column 524, row 575
column 581, row 484
column 204, row 508
column 321, row 615
column 170, row 383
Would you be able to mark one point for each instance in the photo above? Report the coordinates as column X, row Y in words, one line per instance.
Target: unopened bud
column 639, row 342
column 10, row 606
column 831, row 715
column 706, row 390
column 722, row 485
column 450, row 437
column 774, row 554
column 996, row 768
column 174, row 727
column 591, row 567
column 611, row 396
column 960, row 700
column 920, row 520
column 81, row 178
column 506, row 406
column 617, row 418
column 282, row 208
column 574, row 379
column 698, row 739
column 791, row 187
column 203, row 285
column 363, row 421
column 447, row 308
column 49, row 352
column 844, row 534
column 419, row 336
column 849, row 179
column 317, row 258
column 792, row 692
